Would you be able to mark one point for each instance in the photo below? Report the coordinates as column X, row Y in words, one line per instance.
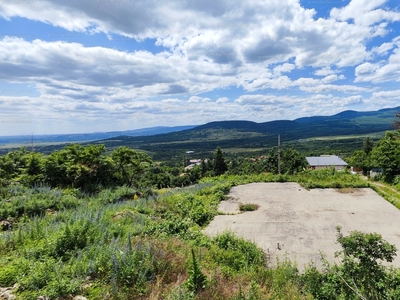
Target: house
column 375, row 172
column 193, row 163
column 326, row 161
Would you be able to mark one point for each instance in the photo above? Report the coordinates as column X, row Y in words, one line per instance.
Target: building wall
column 338, row 168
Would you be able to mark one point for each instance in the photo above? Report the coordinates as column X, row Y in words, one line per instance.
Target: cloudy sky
column 102, row 65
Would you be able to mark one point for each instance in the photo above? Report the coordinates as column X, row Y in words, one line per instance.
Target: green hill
column 246, row 134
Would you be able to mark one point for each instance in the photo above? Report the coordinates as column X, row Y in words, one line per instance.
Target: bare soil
column 292, row 222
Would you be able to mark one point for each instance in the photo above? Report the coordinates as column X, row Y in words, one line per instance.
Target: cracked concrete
column 298, row 224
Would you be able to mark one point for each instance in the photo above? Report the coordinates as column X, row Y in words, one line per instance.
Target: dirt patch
column 298, row 224
column 354, row 191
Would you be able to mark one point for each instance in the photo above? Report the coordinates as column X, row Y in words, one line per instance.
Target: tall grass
column 115, row 245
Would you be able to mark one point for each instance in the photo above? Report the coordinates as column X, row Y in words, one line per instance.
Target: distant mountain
column 346, row 122
column 83, row 137
column 247, row 134
column 166, row 143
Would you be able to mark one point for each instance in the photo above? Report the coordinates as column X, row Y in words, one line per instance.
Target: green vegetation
column 112, row 223
column 110, row 244
column 248, row 207
column 361, row 274
column 220, row 166
column 385, row 155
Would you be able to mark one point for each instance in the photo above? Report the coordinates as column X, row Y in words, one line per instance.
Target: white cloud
column 394, row 94
column 324, row 71
column 332, row 78
column 222, row 100
column 255, row 46
column 382, row 72
column 364, row 12
column 352, row 100
column 284, row 68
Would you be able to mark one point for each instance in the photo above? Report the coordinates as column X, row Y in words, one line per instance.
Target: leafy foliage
column 196, row 280
column 104, row 231
column 220, row 166
column 129, row 164
column 248, row 207
column 361, row 274
column 386, row 154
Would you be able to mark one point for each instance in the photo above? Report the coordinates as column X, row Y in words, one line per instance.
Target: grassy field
column 242, row 150
column 375, row 135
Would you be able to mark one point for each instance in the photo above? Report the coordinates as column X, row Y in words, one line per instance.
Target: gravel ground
column 299, row 224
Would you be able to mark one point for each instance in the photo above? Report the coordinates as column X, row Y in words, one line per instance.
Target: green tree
column 368, row 145
column 33, row 172
column 362, row 160
column 270, row 164
column 292, row 161
column 361, row 273
column 362, row 255
column 129, row 164
column 203, row 167
column 79, row 166
column 386, row 154
column 13, row 164
column 220, row 166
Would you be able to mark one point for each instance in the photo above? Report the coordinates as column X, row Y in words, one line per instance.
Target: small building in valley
column 325, row 161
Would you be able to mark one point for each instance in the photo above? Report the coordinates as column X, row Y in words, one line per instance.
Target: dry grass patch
column 347, row 190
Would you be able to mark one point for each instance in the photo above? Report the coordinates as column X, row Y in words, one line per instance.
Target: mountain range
column 247, row 134
column 227, row 134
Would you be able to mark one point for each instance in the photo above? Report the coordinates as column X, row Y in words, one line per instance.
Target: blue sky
column 104, row 65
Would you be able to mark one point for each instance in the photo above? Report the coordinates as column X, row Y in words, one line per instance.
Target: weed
column 248, row 207
column 196, row 280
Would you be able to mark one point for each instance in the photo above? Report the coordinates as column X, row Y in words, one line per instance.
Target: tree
column 79, row 166
column 220, row 166
column 362, row 160
column 13, row 163
column 203, row 168
column 368, row 146
column 130, row 164
column 361, row 273
column 33, row 172
column 271, row 163
column 386, row 154
column 292, row 161
column 361, row 262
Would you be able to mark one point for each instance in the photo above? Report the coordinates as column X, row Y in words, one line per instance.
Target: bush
column 236, row 253
column 360, row 273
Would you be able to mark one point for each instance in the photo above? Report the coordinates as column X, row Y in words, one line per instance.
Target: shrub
column 236, row 253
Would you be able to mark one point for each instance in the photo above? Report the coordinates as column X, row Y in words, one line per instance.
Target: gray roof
column 325, row 161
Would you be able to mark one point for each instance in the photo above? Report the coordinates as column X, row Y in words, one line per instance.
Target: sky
column 104, row 65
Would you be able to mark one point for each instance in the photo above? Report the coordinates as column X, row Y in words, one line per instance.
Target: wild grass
column 248, row 207
column 389, row 193
column 115, row 245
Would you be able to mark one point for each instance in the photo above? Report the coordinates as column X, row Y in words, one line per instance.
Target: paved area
column 299, row 224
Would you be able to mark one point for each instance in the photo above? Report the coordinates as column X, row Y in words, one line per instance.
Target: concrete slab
column 303, row 223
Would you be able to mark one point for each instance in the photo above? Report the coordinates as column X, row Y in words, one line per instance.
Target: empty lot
column 303, row 222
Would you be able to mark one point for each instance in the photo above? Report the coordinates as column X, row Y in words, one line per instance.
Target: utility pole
column 279, row 154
